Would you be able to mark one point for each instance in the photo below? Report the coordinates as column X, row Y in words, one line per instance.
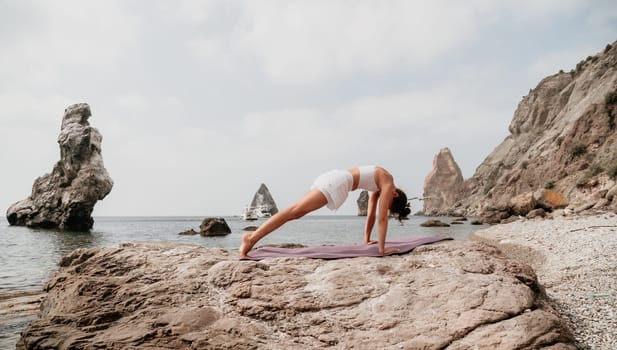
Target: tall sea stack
column 443, row 184
column 363, row 203
column 66, row 197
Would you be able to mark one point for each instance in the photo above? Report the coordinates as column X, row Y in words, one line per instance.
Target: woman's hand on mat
column 389, row 250
column 370, row 241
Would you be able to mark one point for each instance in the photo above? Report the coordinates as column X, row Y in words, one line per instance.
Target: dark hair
column 400, row 206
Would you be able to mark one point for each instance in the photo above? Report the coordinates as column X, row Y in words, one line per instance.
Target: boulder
column 494, row 217
column 612, row 192
column 190, row 232
column 550, row 200
column 455, row 295
column 523, row 203
column 66, row 197
column 587, row 205
column 536, row 213
column 434, row 223
column 475, row 222
column 613, row 206
column 510, row 219
column 250, row 228
column 597, row 195
column 458, row 212
column 214, row 227
column 363, row 203
column 603, row 202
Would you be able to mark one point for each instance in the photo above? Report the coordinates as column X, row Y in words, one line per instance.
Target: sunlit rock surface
column 448, row 295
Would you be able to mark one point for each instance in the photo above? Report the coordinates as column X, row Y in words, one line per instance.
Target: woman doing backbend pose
column 331, row 189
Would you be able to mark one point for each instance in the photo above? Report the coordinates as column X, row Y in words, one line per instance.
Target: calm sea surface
column 29, row 256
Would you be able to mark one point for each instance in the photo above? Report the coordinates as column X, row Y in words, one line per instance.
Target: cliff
column 562, row 138
column 156, row 295
column 443, row 184
column 66, row 197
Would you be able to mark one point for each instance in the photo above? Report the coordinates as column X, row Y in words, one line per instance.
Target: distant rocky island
column 262, row 205
column 562, row 146
column 66, row 197
column 263, row 199
column 362, row 202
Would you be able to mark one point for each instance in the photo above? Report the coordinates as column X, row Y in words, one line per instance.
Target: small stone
column 190, row 232
column 434, row 223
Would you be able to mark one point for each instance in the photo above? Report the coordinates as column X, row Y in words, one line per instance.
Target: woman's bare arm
column 370, row 216
column 385, row 198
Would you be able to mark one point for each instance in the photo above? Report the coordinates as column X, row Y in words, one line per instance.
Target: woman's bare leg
column 312, row 201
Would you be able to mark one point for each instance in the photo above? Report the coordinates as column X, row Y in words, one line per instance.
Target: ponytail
column 400, row 206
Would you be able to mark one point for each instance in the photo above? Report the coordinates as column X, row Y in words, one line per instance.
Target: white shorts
column 335, row 185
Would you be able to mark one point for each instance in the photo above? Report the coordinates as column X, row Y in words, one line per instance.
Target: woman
column 331, row 189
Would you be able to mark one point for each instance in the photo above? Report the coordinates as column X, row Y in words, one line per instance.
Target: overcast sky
column 199, row 102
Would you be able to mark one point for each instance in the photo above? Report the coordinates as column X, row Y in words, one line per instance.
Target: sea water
column 28, row 257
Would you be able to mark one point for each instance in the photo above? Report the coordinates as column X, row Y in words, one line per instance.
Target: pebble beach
column 575, row 259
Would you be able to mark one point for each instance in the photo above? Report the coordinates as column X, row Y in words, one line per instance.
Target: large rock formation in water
column 443, row 184
column 263, row 199
column 562, row 138
column 449, row 295
column 66, row 197
column 363, row 203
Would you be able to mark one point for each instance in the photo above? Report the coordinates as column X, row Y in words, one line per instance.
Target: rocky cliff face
column 562, row 138
column 443, row 184
column 263, row 199
column 155, row 295
column 66, row 197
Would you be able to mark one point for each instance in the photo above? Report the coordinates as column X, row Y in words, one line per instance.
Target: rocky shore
column 575, row 261
column 447, row 295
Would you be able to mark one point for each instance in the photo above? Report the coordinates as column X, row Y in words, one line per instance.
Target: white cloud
column 191, row 11
column 70, row 33
column 309, row 41
column 23, row 110
column 201, row 101
column 300, row 41
column 292, row 134
column 525, row 9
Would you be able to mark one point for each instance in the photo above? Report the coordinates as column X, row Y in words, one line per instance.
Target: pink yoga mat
column 405, row 245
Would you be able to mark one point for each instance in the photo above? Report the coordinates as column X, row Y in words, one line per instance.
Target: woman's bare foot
column 246, row 245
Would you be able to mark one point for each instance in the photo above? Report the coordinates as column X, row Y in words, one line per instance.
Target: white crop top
column 367, row 178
